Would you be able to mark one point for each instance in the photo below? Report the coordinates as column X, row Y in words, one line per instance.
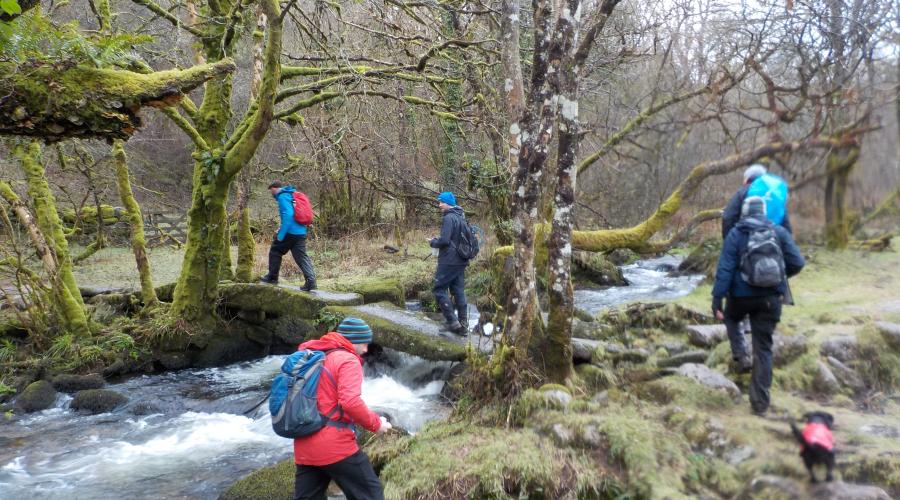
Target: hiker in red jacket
column 332, row 452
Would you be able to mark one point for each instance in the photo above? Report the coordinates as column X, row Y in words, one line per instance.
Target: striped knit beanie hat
column 355, row 330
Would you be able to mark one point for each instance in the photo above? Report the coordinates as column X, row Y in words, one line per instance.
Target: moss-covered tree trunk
column 65, row 295
column 840, row 164
column 217, row 161
column 136, row 223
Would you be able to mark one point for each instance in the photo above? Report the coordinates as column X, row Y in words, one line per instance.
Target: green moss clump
column 709, row 473
column 482, row 462
column 269, row 483
column 596, row 378
column 883, row 471
column 377, row 290
column 879, row 364
column 684, row 392
column 799, row 375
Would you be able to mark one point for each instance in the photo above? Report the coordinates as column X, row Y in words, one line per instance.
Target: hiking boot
column 267, row 279
column 744, row 364
column 308, row 287
column 456, row 327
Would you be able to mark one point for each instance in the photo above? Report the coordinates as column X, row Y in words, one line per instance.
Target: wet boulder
column 706, row 336
column 702, row 259
column 289, row 332
column 71, row 383
column 95, row 401
column 708, row 377
column 37, row 396
column 844, row 348
column 583, row 349
column 173, row 360
column 890, row 332
column 770, row 486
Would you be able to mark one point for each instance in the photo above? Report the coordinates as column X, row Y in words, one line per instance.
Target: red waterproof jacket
column 818, row 433
column 332, row 444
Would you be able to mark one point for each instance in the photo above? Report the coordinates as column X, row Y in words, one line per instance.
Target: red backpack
column 303, row 212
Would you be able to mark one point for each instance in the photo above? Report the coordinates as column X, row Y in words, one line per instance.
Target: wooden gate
column 165, row 229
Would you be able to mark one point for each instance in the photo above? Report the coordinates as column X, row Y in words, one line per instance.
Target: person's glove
column 385, row 426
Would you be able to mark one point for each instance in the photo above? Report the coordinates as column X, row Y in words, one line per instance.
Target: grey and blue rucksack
column 292, row 397
column 763, row 263
column 469, row 243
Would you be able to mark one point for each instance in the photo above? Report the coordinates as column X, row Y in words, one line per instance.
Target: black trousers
column 296, row 244
column 354, row 476
column 765, row 313
column 452, row 278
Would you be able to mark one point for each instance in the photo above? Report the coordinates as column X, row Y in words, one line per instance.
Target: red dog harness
column 818, row 433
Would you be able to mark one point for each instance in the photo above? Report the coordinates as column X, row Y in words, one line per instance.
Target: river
column 184, row 434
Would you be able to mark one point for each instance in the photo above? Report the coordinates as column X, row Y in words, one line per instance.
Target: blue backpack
column 293, row 400
column 774, row 190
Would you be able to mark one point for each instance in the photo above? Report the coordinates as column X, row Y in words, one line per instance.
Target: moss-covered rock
column 95, row 401
column 596, row 269
column 596, row 378
column 684, row 392
column 288, row 332
column 377, row 290
column 37, row 396
column 483, row 462
column 279, row 300
column 881, row 470
column 70, row 383
column 702, row 259
column 229, row 346
column 397, row 329
column 269, row 483
column 879, row 363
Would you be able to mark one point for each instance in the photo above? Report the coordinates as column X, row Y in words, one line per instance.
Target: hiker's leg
column 458, row 289
column 298, row 250
column 443, row 276
column 763, row 319
column 732, row 326
column 356, row 478
column 276, row 252
column 310, row 483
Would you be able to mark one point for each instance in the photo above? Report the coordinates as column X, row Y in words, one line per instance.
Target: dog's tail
column 798, row 435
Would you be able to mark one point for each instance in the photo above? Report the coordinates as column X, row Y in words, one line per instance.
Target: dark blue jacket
column 285, row 199
column 728, row 275
column 732, row 213
column 453, row 223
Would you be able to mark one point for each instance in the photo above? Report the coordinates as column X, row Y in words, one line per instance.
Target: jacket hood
column 751, row 223
column 457, row 210
column 331, row 340
column 285, row 189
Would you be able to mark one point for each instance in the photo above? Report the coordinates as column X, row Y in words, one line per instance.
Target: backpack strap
column 337, row 407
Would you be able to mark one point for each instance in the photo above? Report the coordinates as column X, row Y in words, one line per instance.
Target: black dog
column 816, row 442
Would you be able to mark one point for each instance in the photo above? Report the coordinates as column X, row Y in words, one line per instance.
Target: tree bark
column 65, row 295
column 136, row 223
column 53, row 103
column 214, row 169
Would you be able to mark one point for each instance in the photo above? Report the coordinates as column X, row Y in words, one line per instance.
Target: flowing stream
column 648, row 281
column 184, row 434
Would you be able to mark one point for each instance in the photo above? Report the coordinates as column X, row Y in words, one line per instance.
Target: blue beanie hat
column 447, row 197
column 355, row 330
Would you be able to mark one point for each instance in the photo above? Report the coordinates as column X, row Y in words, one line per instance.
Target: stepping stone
column 705, row 375
column 706, row 336
column 677, row 360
